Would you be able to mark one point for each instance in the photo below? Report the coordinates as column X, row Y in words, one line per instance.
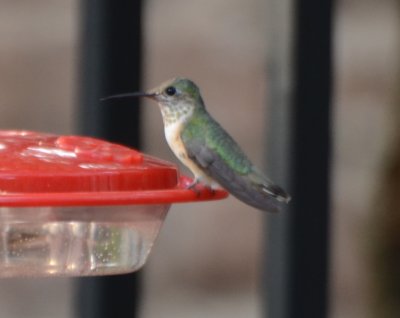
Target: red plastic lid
column 38, row 169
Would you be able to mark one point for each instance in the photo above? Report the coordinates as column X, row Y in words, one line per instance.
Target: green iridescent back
column 203, row 129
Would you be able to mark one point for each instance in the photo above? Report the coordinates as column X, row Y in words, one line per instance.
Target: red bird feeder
column 78, row 206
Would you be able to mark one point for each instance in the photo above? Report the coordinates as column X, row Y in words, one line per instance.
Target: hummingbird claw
column 213, row 191
column 192, row 187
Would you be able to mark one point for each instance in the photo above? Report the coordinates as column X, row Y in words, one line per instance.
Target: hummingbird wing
column 221, row 158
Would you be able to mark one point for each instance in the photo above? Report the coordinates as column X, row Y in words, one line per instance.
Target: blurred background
column 208, row 258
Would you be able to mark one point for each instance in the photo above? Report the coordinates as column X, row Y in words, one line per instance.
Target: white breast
column 172, row 134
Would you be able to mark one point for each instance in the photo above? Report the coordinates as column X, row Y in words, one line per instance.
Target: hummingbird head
column 175, row 91
column 177, row 98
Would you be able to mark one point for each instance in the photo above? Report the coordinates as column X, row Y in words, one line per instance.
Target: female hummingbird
column 202, row 145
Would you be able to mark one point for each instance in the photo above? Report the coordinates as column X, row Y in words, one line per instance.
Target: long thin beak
column 128, row 95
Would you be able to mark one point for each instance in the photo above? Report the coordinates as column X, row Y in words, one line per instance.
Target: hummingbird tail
column 277, row 192
column 267, row 198
column 254, row 190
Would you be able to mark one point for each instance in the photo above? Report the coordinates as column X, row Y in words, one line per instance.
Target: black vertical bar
column 110, row 63
column 298, row 239
column 108, row 296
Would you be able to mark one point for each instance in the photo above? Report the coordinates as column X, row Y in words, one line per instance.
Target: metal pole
column 111, row 35
column 110, row 63
column 296, row 277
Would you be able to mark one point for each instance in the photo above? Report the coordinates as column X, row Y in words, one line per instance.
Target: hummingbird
column 203, row 146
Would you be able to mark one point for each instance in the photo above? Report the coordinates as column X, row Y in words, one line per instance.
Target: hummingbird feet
column 212, row 190
column 196, row 182
column 193, row 185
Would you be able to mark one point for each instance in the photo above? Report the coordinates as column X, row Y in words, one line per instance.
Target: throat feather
column 177, row 113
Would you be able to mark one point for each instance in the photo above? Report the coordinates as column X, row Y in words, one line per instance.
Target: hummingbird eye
column 170, row 91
